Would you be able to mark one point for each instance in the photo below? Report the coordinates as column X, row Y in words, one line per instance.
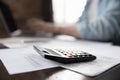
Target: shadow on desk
column 3, row 73
column 2, row 46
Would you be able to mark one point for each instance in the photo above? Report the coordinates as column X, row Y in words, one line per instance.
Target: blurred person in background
column 100, row 21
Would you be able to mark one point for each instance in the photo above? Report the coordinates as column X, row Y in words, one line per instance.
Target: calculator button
column 90, row 55
column 86, row 56
column 69, row 55
column 76, row 56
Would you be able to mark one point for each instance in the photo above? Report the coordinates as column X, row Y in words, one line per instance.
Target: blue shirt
column 106, row 25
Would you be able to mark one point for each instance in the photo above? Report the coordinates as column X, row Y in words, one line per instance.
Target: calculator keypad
column 73, row 54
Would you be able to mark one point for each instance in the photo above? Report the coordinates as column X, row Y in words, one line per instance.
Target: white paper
column 17, row 42
column 24, row 60
column 93, row 68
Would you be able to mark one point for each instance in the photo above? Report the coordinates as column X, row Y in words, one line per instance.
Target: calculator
column 65, row 56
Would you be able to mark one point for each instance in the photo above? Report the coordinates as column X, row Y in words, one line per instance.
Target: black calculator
column 65, row 56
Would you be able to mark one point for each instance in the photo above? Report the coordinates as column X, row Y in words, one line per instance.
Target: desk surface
column 57, row 74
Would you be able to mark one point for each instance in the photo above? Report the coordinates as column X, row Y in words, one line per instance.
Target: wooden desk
column 57, row 74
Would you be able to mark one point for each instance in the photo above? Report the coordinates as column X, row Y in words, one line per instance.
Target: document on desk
column 17, row 42
column 22, row 60
column 93, row 68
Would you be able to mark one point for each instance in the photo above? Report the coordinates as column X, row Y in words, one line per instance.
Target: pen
column 34, row 41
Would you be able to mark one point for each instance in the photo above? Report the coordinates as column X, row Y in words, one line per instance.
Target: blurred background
column 57, row 11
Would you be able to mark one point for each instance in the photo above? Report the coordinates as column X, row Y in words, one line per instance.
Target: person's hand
column 39, row 25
